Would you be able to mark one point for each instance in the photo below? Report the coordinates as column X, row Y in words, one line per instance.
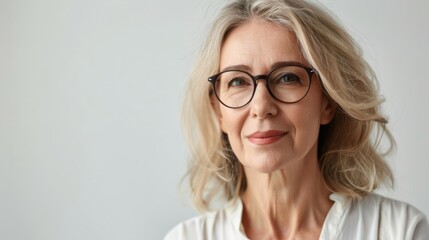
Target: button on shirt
column 372, row 217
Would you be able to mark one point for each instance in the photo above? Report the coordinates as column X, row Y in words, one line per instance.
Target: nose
column 263, row 105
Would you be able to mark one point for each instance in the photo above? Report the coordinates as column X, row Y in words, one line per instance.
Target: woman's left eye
column 288, row 78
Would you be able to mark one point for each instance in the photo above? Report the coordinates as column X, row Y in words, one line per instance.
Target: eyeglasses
column 288, row 84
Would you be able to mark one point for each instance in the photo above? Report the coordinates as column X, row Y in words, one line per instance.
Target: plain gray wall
column 90, row 93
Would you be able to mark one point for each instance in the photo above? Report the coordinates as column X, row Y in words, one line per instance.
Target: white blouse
column 372, row 217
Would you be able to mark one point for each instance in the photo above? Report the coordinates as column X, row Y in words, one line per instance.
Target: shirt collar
column 331, row 226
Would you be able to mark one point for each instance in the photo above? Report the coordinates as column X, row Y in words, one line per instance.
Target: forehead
column 258, row 45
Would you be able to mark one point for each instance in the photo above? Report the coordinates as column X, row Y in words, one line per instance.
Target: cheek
column 231, row 123
column 305, row 120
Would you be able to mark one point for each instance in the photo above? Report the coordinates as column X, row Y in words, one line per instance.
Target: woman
column 282, row 131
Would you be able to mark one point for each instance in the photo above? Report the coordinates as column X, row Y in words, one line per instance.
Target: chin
column 265, row 165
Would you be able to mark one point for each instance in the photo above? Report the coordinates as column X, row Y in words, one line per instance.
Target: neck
column 287, row 203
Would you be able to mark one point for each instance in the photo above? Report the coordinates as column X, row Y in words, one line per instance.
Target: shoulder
column 197, row 227
column 218, row 224
column 389, row 218
column 374, row 204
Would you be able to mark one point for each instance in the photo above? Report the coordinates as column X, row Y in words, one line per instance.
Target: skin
column 286, row 197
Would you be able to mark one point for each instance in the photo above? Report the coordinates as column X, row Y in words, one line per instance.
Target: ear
column 327, row 111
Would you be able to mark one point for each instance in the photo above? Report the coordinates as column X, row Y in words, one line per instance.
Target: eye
column 288, row 78
column 237, row 82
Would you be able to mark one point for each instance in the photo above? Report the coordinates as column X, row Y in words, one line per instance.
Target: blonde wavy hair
column 348, row 156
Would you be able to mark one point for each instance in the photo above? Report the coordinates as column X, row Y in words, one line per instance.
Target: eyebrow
column 237, row 67
column 273, row 66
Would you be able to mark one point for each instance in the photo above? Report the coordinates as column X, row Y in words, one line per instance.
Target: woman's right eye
column 236, row 82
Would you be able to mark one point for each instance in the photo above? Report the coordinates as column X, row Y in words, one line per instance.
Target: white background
column 90, row 94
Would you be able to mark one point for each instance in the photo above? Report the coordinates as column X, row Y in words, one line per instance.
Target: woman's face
column 267, row 134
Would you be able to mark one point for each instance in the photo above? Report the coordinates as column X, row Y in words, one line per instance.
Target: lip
column 265, row 137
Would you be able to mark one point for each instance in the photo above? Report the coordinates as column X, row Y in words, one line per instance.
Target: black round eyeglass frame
column 310, row 71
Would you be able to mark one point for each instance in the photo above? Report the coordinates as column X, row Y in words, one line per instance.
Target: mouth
column 266, row 137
